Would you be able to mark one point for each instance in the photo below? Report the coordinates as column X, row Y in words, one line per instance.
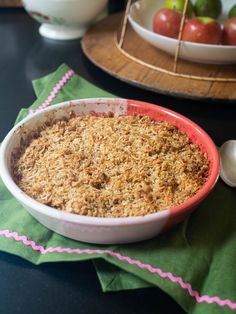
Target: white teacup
column 64, row 19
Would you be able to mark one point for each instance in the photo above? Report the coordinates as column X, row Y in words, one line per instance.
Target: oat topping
column 110, row 166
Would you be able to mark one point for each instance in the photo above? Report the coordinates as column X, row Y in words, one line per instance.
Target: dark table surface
column 74, row 287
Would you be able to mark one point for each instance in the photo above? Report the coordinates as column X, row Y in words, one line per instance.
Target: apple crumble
column 110, row 166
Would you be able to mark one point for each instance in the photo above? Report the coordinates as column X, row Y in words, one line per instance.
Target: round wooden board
column 99, row 45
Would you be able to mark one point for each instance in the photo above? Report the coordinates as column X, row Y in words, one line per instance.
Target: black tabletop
column 74, row 287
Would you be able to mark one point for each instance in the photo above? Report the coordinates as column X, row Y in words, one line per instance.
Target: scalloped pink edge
column 155, row 270
column 66, row 77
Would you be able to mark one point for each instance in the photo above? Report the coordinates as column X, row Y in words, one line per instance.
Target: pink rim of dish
column 198, row 136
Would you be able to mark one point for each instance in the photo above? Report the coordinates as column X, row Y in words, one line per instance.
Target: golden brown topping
column 110, row 166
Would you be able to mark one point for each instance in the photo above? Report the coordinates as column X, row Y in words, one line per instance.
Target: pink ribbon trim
column 165, row 275
column 66, row 77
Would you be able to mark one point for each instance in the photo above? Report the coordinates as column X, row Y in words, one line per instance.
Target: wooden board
column 10, row 3
column 99, row 45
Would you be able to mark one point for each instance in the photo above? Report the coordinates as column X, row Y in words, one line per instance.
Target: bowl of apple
column 208, row 34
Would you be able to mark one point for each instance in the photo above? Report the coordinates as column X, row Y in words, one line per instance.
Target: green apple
column 232, row 11
column 211, row 8
column 178, row 5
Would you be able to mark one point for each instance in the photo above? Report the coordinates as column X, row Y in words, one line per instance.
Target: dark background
column 74, row 287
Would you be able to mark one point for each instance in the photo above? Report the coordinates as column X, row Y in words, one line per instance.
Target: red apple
column 205, row 30
column 166, row 22
column 229, row 32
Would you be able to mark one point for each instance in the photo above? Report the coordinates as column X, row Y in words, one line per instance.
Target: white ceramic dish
column 106, row 230
column 64, row 19
column 141, row 18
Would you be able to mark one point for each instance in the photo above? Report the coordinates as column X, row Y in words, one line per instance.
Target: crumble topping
column 110, row 166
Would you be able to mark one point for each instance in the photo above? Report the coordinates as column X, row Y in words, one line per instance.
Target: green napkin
column 195, row 263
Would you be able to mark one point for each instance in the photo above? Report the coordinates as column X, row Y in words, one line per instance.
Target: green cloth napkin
column 195, row 263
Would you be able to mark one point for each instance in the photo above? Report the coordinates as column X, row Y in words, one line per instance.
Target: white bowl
column 106, row 230
column 64, row 19
column 141, row 18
